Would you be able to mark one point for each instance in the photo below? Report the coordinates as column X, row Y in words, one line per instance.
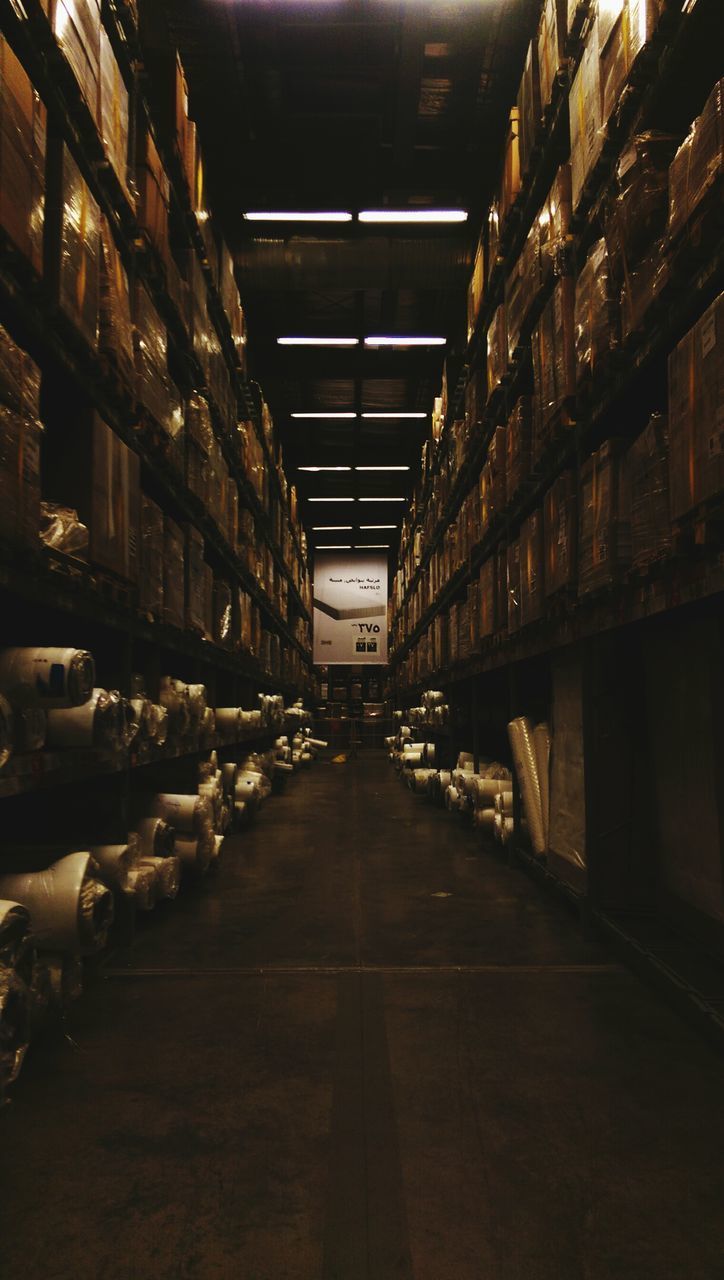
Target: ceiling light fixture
column 413, row 215
column 324, row 415
column 334, row 546
column 289, row 215
column 392, row 416
column 371, row 546
column 318, row 342
column 332, row 528
column 330, row 499
column 401, row 340
column 382, row 468
column 324, row 468
column 375, row 499
column 369, row 527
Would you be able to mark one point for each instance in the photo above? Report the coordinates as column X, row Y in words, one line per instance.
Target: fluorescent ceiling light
column 376, row 499
column 399, row 340
column 413, row 215
column 324, row 415
column 392, row 415
column 371, row 546
column 334, row 546
column 369, row 527
column 381, row 468
column 324, row 468
column 332, row 528
column 330, row 499
column 318, row 342
column 289, row 215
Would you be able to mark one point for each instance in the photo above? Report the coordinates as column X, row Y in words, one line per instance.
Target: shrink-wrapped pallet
column 518, row 447
column 596, row 314
column 510, row 183
column 113, row 111
column 554, row 225
column 643, row 284
column 153, row 187
column 637, row 214
column 194, row 580
column 696, row 418
column 114, row 513
column 492, row 481
column 77, row 28
column 699, row 162
column 154, row 388
column 648, row 467
column 550, row 42
column 152, row 558
column 604, row 546
column 531, row 569
column 497, row 349
column 513, row 584
column 625, row 27
column 80, row 251
column 23, row 125
column 173, row 573
column 19, row 378
column 115, row 325
column 559, row 534
column 487, row 599
column 529, row 108
column 554, row 366
column 20, row 440
column 476, row 288
column 586, row 122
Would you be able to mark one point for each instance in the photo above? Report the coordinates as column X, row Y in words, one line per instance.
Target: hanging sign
column 350, row 607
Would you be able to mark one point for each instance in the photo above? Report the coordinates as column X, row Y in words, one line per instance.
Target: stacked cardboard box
column 476, row 288
column 559, row 534
column 77, row 28
column 586, row 121
column 20, row 436
column 195, row 581
column 551, row 41
column 492, row 481
column 154, row 388
column 648, row 467
column 223, row 614
column 554, row 226
column 625, row 27
column 518, row 447
column 154, row 194
column 513, row 586
column 699, row 162
column 112, row 510
column 696, row 413
column 23, row 125
column 487, row 599
column 497, row 349
column 174, row 583
column 113, row 112
column 152, row 558
column 604, row 548
column 80, row 251
column 529, row 108
column 510, row 185
column 199, row 444
column 115, row 326
column 554, row 365
column 531, row 569
column 596, row 314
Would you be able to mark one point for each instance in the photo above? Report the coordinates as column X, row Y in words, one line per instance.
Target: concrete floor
column 318, row 1068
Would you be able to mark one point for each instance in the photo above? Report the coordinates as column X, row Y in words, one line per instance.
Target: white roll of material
column 484, row 820
column 413, row 759
column 29, row 725
column 504, row 803
column 318, row 743
column 7, row 731
column 229, row 723
column 484, row 790
column 420, row 780
column 54, row 677
column 114, row 861
column 452, row 799
column 218, row 845
column 466, row 762
column 228, row 774
column 521, row 740
column 155, row 837
column 168, row 875
column 158, row 724
column 194, row 852
column 143, row 886
column 100, row 722
column 69, row 909
column 187, row 814
column 247, row 789
column 281, row 767
column 542, row 748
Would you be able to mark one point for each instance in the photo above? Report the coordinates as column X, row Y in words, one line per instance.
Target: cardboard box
column 554, row 365
column 174, row 585
column 476, row 288
column 559, row 534
column 487, row 599
column 625, row 27
column 514, row 586
column 604, row 548
column 115, row 325
column 529, row 108
column 648, row 467
column 510, row 185
column 698, row 163
column 152, row 558
column 23, row 129
column 113, row 112
column 80, row 251
column 596, row 314
column 696, row 413
column 20, row 439
column 77, row 28
column 154, row 388
column 518, row 447
column 114, row 522
column 497, row 349
column 19, row 378
column 154, row 194
column 551, row 40
column 531, row 569
column 554, row 226
column 195, row 613
column 586, row 121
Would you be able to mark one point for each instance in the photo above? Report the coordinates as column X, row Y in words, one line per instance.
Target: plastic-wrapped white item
column 197, row 699
column 241, row 811
column 29, row 726
column 143, row 885
column 53, row 677
column 504, row 803
column 319, row 743
column 542, row 747
column 520, row 732
column 158, row 724
column 281, row 767
column 484, row 820
column 228, row 774
column 144, row 716
column 413, row 759
column 187, row 814
column 156, row 837
column 405, row 731
column 114, row 861
column 504, row 828
column 14, row 1025
column 452, row 799
column 229, row 722
column 466, row 762
column 168, row 875
column 218, row 844
column 99, row 722
column 7, row 731
column 420, row 779
column 69, row 909
column 195, row 852
column 247, row 788
column 173, row 695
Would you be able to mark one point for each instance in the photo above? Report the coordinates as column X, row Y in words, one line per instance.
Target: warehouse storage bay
column 361, row 639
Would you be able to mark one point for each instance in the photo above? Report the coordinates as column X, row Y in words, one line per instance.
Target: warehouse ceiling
column 350, row 105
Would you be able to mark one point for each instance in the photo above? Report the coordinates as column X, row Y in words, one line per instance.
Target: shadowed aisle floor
column 366, row 1050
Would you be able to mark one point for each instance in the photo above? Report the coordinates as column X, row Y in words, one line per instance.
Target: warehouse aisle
column 366, row 1050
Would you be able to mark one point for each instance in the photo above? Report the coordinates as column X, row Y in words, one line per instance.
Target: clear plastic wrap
column 222, row 631
column 173, row 573
column 194, row 580
column 200, row 442
column 586, row 123
column 80, row 251
column 115, row 328
column 550, row 42
column 168, row 875
column 113, row 111
column 510, row 183
column 518, row 446
column 143, row 885
column 696, row 416
column 554, row 365
column 529, row 107
column 487, row 599
column 698, row 163
column 513, row 585
column 531, row 569
column 23, row 125
column 154, row 388
column 520, row 732
column 77, row 28
column 559, row 534
column 637, row 214
column 153, row 187
column 99, row 722
column 642, row 286
column 604, row 549
column 152, row 558
column 61, row 529
column 497, row 349
column 19, row 378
